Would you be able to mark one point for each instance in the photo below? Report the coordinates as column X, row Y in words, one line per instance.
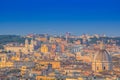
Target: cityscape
column 60, row 57
column 59, row 39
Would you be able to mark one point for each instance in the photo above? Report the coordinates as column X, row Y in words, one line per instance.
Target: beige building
column 45, row 78
column 44, row 48
column 55, row 64
column 4, row 61
column 24, row 48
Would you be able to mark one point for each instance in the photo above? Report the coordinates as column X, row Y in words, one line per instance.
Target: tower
column 67, row 36
column 31, row 46
column 26, row 43
column 32, row 42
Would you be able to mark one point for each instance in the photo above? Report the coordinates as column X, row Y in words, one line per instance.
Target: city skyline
column 59, row 40
column 57, row 17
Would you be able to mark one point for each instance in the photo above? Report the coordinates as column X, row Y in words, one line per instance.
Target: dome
column 102, row 60
column 102, row 56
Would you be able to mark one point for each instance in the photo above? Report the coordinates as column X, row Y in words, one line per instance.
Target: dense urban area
column 59, row 57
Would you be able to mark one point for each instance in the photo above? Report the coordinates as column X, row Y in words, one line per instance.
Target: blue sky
column 60, row 16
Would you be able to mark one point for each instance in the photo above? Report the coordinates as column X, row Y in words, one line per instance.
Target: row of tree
column 4, row 39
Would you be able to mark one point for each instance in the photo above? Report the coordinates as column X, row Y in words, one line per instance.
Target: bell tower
column 32, row 45
column 26, row 43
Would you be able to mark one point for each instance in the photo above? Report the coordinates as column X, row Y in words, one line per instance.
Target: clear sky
column 60, row 16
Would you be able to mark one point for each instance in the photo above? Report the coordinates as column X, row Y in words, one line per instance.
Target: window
column 41, row 79
column 97, row 68
column 0, row 59
column 104, row 67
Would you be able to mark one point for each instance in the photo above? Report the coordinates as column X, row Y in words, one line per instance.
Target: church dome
column 102, row 56
column 102, row 60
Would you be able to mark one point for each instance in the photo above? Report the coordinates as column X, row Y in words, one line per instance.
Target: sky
column 60, row 16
